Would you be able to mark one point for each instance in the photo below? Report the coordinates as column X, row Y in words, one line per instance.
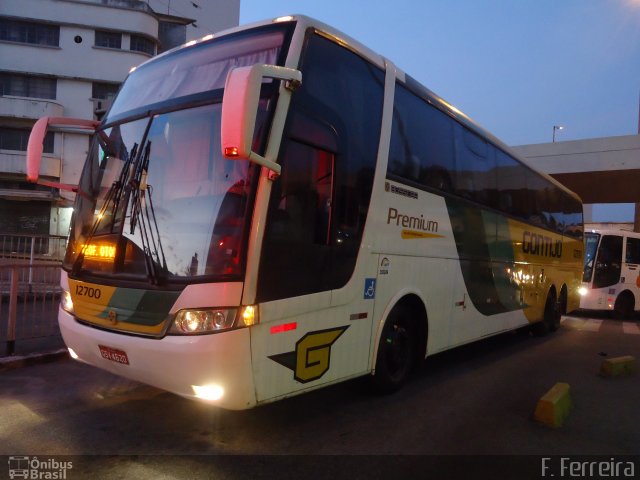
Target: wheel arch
column 626, row 293
column 414, row 301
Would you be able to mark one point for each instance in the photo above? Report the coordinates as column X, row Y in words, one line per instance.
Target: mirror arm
column 240, row 109
column 35, row 146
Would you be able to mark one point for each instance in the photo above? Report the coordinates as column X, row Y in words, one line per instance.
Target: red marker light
column 231, row 152
column 284, row 327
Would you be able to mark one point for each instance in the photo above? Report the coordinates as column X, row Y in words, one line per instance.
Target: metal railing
column 35, row 248
column 29, row 299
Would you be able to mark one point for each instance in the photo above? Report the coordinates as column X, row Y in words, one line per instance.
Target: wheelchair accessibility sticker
column 369, row 288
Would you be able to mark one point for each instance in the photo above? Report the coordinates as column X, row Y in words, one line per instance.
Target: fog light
column 208, row 392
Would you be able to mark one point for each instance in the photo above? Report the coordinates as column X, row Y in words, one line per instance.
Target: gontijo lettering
column 536, row 244
column 407, row 221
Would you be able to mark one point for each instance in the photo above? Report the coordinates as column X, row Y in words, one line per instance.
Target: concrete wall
column 82, row 13
column 600, row 170
column 591, row 155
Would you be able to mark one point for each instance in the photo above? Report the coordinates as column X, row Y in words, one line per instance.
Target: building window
column 27, row 86
column 104, row 91
column 108, row 39
column 171, row 35
column 142, row 44
column 18, row 138
column 24, row 218
column 29, row 32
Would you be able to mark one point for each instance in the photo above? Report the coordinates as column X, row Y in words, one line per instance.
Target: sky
column 517, row 67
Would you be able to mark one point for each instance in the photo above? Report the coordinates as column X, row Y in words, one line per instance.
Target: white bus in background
column 611, row 280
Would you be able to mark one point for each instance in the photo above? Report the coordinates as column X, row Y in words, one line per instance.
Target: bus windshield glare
column 156, row 197
column 591, row 246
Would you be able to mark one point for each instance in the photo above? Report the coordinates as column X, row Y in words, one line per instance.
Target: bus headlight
column 583, row 291
column 202, row 321
column 66, row 302
column 212, row 320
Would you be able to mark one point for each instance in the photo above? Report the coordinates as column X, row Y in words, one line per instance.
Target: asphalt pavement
column 475, row 402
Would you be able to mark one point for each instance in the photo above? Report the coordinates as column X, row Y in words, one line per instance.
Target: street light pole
column 556, row 127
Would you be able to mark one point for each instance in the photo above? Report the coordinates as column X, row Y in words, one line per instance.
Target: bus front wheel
column 624, row 306
column 395, row 352
column 551, row 319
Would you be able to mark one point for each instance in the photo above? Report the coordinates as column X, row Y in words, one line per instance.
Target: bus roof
column 307, row 22
column 612, row 231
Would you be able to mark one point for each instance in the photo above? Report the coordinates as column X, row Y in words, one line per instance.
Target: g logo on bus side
column 312, row 356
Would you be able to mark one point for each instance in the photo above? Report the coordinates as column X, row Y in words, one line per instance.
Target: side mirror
column 240, row 108
column 35, row 145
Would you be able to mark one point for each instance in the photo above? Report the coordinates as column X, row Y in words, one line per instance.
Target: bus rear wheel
column 395, row 352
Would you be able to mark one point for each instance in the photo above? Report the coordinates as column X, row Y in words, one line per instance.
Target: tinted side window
column 475, row 172
column 512, row 186
column 572, row 213
column 421, row 142
column 554, row 209
column 633, row 250
column 537, row 192
column 431, row 149
column 328, row 160
column 297, row 236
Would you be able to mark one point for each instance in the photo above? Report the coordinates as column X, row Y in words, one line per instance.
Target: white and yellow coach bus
column 279, row 208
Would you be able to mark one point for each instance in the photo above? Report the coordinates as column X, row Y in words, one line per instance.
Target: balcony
column 16, row 162
column 29, row 108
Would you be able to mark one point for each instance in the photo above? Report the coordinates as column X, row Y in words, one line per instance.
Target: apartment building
column 67, row 58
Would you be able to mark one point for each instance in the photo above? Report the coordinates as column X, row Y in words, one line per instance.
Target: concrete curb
column 19, row 361
column 618, row 366
column 553, row 408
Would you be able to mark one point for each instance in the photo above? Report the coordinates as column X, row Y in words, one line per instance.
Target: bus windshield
column 608, row 262
column 203, row 68
column 169, row 205
column 156, row 198
column 591, row 246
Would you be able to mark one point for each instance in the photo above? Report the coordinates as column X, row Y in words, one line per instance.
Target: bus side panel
column 304, row 343
column 430, row 279
column 544, row 260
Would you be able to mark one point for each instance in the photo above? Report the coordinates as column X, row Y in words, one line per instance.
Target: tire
column 551, row 319
column 624, row 306
column 563, row 301
column 396, row 352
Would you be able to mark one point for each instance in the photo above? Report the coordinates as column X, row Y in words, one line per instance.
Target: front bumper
column 173, row 363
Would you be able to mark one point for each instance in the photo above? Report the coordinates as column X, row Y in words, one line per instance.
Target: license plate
column 113, row 354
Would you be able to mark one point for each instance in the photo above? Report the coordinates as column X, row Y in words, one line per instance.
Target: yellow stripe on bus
column 91, row 304
column 409, row 234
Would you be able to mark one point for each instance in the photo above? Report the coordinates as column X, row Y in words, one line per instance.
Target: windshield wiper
column 143, row 213
column 114, row 196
